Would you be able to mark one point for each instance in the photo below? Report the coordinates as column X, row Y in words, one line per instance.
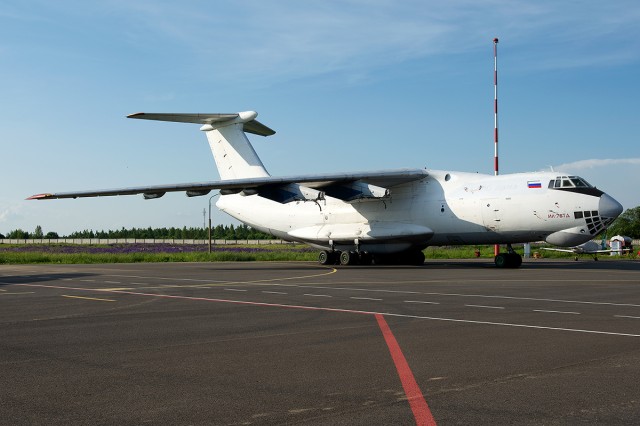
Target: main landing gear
column 410, row 257
column 327, row 257
column 510, row 259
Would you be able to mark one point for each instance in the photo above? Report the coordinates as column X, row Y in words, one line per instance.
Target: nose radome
column 609, row 207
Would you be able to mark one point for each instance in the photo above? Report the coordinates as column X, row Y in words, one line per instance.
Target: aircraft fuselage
column 444, row 208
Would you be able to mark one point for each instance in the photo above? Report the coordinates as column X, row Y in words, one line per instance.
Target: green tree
column 627, row 224
column 38, row 232
column 18, row 234
column 230, row 233
column 219, row 232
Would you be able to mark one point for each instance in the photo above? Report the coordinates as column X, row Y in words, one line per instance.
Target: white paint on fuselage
column 457, row 207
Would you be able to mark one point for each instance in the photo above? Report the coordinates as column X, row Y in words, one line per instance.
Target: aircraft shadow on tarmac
column 39, row 278
column 304, row 267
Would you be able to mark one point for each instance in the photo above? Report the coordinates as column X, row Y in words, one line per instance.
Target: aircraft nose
column 609, row 207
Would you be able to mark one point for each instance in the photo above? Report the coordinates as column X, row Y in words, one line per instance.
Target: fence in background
column 138, row 241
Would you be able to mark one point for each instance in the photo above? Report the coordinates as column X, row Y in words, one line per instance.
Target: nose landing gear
column 510, row 259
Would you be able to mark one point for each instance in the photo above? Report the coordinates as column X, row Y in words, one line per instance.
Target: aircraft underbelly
column 396, row 231
column 368, row 222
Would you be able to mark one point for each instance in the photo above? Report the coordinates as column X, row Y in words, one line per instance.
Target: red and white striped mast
column 495, row 105
column 496, row 248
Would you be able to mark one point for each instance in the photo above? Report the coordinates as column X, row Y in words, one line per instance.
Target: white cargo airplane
column 384, row 216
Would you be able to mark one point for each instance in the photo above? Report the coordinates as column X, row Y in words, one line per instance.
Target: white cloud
column 285, row 39
column 595, row 163
column 10, row 214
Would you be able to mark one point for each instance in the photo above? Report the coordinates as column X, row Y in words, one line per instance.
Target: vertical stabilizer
column 233, row 153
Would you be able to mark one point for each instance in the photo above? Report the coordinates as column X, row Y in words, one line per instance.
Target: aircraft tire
column 347, row 258
column 325, row 257
column 508, row 260
column 516, row 260
column 501, row 260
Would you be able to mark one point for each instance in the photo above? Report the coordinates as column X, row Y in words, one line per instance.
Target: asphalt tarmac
column 450, row 342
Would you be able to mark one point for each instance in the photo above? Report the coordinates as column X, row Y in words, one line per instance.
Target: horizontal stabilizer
column 250, row 125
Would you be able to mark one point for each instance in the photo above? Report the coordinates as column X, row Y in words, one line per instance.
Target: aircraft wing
column 559, row 249
column 577, row 250
column 343, row 185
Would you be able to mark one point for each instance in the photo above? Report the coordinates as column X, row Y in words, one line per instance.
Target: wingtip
column 40, row 197
column 135, row 115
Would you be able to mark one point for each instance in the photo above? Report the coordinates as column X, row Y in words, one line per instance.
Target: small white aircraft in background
column 590, row 247
column 384, row 216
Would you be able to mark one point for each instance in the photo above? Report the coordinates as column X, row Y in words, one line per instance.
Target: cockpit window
column 579, row 182
column 569, row 182
column 574, row 184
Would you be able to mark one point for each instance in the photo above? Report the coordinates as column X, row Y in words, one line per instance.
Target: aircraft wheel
column 325, row 257
column 501, row 260
column 508, row 260
column 347, row 258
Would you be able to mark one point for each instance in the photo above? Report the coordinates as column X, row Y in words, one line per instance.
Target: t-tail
column 233, row 153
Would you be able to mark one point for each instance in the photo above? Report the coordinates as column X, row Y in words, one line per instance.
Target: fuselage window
column 578, row 215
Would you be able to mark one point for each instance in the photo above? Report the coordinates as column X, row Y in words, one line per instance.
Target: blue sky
column 347, row 85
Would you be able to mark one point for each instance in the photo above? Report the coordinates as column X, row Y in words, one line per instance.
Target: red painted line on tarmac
column 418, row 404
